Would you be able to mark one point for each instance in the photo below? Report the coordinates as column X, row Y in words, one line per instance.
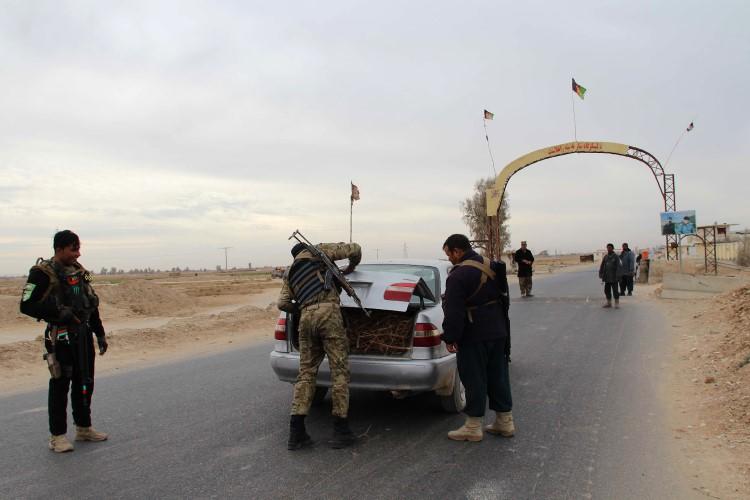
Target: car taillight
column 426, row 335
column 280, row 332
column 399, row 292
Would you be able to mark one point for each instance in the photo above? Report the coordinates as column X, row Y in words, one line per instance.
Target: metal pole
column 351, row 213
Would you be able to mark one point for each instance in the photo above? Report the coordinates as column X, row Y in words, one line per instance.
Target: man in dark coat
column 476, row 327
column 525, row 260
column 628, row 270
column 610, row 272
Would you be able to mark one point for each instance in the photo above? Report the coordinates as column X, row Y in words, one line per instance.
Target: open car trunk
column 393, row 301
column 387, row 333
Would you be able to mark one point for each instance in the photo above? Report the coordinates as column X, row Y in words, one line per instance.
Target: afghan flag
column 578, row 89
column 355, row 192
column 488, row 115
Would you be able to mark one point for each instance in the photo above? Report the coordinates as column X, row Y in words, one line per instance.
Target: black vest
column 306, row 280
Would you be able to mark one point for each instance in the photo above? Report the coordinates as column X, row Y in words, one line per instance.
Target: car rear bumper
column 373, row 373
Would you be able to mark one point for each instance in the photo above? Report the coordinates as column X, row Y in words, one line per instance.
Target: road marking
column 33, row 410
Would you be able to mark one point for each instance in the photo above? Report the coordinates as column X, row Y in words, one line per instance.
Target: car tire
column 320, row 394
column 455, row 402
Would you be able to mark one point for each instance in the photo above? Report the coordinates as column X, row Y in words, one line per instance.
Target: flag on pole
column 488, row 115
column 690, row 127
column 578, row 89
column 355, row 192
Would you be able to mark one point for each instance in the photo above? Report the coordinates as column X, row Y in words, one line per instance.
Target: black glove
column 102, row 342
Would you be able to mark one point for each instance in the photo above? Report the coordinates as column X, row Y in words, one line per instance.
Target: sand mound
column 719, row 374
column 729, row 357
column 145, row 299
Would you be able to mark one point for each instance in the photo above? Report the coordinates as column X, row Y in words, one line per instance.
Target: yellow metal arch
column 665, row 181
column 495, row 194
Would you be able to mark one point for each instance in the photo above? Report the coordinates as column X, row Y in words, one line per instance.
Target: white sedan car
column 398, row 348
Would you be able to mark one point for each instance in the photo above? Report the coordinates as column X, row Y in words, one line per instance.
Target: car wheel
column 320, row 394
column 456, row 401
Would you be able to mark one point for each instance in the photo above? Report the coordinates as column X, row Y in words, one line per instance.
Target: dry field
column 148, row 319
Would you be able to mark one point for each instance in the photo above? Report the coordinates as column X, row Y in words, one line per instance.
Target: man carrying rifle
column 311, row 290
column 59, row 292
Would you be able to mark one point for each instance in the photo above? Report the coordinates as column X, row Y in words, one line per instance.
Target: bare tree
column 474, row 211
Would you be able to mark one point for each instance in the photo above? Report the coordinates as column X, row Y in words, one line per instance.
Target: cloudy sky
column 161, row 131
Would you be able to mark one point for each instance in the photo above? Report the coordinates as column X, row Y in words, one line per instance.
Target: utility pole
column 377, row 254
column 226, row 260
column 406, row 251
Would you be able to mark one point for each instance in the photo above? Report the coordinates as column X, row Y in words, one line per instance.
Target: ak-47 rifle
column 333, row 268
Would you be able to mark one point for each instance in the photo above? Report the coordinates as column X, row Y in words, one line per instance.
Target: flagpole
column 575, row 127
column 486, row 136
column 674, row 147
column 684, row 131
column 351, row 214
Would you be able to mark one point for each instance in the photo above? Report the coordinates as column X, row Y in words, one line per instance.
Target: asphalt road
column 590, row 424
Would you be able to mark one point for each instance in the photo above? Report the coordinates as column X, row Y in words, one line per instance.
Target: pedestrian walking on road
column 610, row 272
column 58, row 291
column 525, row 260
column 310, row 291
column 476, row 327
column 628, row 270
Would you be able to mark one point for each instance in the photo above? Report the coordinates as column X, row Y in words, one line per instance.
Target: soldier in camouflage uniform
column 310, row 291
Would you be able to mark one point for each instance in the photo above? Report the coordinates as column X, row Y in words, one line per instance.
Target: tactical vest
column 307, row 278
column 70, row 285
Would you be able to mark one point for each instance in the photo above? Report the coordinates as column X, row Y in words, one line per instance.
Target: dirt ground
column 149, row 320
column 709, row 387
column 154, row 319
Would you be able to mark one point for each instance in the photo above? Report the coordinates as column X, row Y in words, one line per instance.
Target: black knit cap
column 298, row 248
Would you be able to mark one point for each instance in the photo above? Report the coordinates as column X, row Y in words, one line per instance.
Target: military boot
column 60, row 444
column 470, row 431
column 608, row 304
column 617, row 303
column 342, row 434
column 89, row 434
column 503, row 425
column 298, row 437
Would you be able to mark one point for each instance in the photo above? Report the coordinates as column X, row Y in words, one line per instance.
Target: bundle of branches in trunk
column 383, row 333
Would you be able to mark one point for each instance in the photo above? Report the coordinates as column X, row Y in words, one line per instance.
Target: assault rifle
column 333, row 268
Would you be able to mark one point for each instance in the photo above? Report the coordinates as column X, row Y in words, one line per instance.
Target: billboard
column 682, row 222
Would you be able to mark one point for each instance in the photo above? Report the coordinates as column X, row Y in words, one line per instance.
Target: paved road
column 585, row 384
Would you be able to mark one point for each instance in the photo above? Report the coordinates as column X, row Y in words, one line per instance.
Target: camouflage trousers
column 524, row 283
column 322, row 332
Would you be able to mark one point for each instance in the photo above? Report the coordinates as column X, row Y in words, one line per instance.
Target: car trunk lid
column 386, row 291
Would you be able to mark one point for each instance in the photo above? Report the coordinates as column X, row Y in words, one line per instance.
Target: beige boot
column 89, row 434
column 503, row 425
column 470, row 431
column 608, row 304
column 60, row 444
column 617, row 303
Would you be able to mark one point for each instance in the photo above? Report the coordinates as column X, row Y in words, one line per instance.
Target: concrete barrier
column 686, row 286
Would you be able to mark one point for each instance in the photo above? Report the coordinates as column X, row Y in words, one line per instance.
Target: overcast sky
column 161, row 131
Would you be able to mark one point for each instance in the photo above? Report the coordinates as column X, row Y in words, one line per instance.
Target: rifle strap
column 486, row 270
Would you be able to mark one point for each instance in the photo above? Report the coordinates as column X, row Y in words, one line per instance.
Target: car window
column 430, row 275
